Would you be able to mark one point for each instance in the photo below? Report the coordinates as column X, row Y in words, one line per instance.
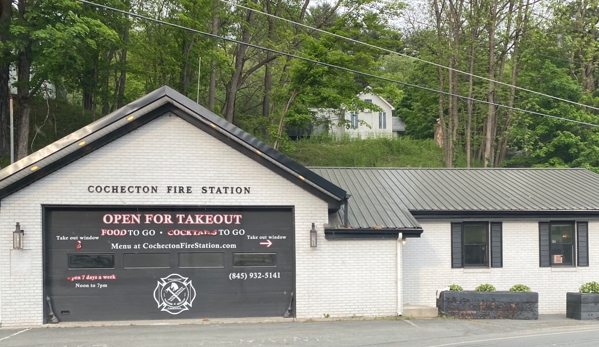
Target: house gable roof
column 393, row 198
column 369, row 92
column 157, row 103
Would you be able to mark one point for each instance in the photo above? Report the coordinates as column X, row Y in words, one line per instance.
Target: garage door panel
column 130, row 307
column 98, row 269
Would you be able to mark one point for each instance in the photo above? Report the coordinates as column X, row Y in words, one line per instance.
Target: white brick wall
column 427, row 266
column 339, row 278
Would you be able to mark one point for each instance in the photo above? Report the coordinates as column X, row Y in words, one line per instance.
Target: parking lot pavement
column 391, row 331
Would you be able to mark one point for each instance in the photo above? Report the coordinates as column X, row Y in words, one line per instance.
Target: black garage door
column 159, row 263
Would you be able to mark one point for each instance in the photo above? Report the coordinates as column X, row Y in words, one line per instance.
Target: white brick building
column 74, row 188
column 537, row 227
column 164, row 210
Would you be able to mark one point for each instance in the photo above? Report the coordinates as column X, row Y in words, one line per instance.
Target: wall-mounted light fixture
column 403, row 241
column 313, row 238
column 17, row 237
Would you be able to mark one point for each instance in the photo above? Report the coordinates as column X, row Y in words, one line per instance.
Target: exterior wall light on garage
column 313, row 236
column 17, row 237
column 404, row 241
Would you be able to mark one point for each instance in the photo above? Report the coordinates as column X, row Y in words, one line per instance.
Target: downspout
column 399, row 283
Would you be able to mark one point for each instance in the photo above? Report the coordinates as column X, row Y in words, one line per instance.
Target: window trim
column 572, row 244
column 487, row 245
column 578, row 242
column 368, row 101
column 494, row 245
column 382, row 120
column 354, row 121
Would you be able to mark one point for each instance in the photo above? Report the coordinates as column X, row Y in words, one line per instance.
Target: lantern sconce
column 17, row 237
column 313, row 238
column 404, row 241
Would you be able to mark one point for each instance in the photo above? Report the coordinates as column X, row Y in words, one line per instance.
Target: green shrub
column 520, row 288
column 590, row 287
column 485, row 288
column 455, row 288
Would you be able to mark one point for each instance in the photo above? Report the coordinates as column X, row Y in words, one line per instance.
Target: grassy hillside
column 51, row 120
column 382, row 152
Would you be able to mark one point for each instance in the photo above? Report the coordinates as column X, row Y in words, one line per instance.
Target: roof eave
column 370, row 233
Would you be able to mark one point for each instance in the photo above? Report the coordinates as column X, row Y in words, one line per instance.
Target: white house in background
column 365, row 123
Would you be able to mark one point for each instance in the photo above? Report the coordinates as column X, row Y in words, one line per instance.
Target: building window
column 476, row 244
column 382, row 120
column 146, row 260
column 201, row 260
column 354, row 120
column 369, row 101
column 563, row 243
column 254, row 259
column 91, row 261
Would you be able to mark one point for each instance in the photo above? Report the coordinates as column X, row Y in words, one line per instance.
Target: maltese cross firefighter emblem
column 174, row 294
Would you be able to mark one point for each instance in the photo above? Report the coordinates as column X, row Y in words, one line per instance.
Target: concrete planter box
column 489, row 305
column 582, row 306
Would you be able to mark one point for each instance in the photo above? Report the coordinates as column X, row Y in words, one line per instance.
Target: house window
column 368, row 101
column 476, row 244
column 382, row 120
column 354, row 120
column 563, row 243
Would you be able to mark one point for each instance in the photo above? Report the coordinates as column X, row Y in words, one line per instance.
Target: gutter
column 370, row 233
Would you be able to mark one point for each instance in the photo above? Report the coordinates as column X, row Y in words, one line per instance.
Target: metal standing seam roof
column 161, row 101
column 387, row 196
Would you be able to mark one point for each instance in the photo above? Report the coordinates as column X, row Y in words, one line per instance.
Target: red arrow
column 268, row 243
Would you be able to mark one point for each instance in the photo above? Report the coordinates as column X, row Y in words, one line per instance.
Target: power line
column 331, row 65
column 410, row 57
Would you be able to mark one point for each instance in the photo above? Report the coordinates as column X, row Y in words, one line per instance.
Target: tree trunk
column 120, row 100
column 5, row 57
column 282, row 120
column 470, row 105
column 445, row 127
column 268, row 67
column 87, row 89
column 212, row 84
column 520, row 31
column 233, row 84
column 23, row 101
column 4, row 106
column 491, row 114
column 455, row 25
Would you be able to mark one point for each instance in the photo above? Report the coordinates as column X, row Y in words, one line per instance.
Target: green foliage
column 455, row 288
column 485, row 288
column 590, row 287
column 373, row 152
column 519, row 288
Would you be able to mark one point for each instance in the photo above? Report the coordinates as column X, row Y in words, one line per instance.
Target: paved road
column 547, row 331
